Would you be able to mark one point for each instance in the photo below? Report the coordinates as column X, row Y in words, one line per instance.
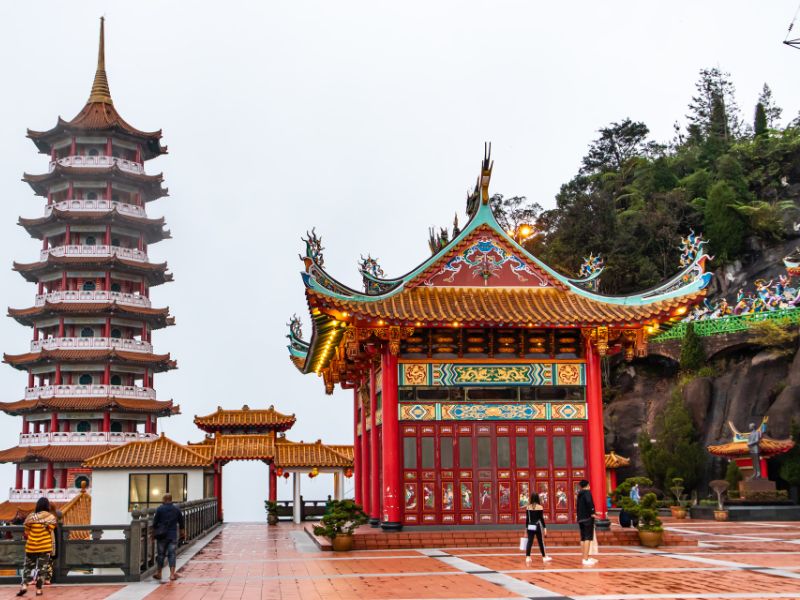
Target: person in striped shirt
column 40, row 544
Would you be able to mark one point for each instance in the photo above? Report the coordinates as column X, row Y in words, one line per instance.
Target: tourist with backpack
column 40, row 545
column 167, row 523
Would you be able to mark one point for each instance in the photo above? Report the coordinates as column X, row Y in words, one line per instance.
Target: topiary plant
column 677, row 491
column 720, row 486
column 342, row 517
column 647, row 513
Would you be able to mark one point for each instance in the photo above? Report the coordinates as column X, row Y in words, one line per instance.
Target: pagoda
column 91, row 362
column 477, row 375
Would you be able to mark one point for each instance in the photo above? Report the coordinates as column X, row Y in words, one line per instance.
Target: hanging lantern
column 286, row 475
column 314, row 472
column 348, row 473
column 279, row 471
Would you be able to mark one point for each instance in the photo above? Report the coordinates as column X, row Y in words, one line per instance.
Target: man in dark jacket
column 166, row 523
column 586, row 516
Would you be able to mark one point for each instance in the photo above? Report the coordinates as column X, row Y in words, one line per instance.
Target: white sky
column 366, row 120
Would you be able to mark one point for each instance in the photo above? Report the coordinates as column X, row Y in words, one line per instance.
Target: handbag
column 594, row 549
column 532, row 527
column 523, row 543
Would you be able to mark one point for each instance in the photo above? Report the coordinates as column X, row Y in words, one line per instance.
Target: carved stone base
column 750, row 486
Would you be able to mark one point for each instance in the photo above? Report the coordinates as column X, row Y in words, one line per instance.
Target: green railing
column 730, row 324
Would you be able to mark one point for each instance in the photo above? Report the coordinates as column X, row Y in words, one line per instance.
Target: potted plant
column 679, row 508
column 272, row 512
column 651, row 532
column 341, row 519
column 621, row 496
column 720, row 486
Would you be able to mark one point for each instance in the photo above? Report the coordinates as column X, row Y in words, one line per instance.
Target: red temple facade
column 91, row 363
column 477, row 375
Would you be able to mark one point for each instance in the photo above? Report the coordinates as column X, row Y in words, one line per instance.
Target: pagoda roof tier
column 157, row 362
column 156, row 317
column 152, row 228
column 151, row 184
column 767, row 446
column 161, row 452
column 99, row 116
column 52, row 453
column 156, row 273
column 615, row 461
column 162, row 408
column 267, row 419
column 480, row 278
column 309, row 455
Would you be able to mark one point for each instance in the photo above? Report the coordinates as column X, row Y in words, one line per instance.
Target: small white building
column 136, row 475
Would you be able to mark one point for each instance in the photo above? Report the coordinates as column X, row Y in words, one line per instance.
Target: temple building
column 91, row 364
column 476, row 376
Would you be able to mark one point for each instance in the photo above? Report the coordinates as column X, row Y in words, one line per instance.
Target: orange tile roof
column 539, row 306
column 165, row 407
column 615, row 461
column 156, row 272
column 161, row 452
column 53, row 453
column 158, row 317
column 767, row 446
column 262, row 418
column 244, row 446
column 160, row 362
column 299, row 454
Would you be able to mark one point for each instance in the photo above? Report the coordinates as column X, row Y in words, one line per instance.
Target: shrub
column 693, row 354
column 780, row 335
column 733, row 475
column 342, row 517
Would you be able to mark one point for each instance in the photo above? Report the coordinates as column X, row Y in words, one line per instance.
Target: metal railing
column 106, row 553
column 729, row 324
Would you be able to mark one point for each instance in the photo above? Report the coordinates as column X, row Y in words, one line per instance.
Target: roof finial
column 486, row 172
column 100, row 91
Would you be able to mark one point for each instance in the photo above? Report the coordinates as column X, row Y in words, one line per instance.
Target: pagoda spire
column 100, row 91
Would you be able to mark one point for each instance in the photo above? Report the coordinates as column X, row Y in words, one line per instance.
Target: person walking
column 635, row 493
column 535, row 526
column 167, row 522
column 40, row 544
column 586, row 516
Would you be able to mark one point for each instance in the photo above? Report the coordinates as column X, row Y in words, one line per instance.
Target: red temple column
column 107, row 421
column 365, row 494
column 18, row 482
column 53, row 421
column 273, row 484
column 356, row 450
column 31, row 482
column 374, row 489
column 49, row 477
column 392, row 512
column 597, row 453
column 26, row 425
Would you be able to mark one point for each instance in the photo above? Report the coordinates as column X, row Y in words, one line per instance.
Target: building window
column 87, row 332
column 115, row 287
column 90, row 240
column 446, row 452
column 522, row 452
column 145, row 490
column 428, row 458
column 116, row 333
column 116, row 426
column 116, row 380
column 409, row 453
column 80, row 479
column 465, row 452
column 88, row 286
column 85, row 379
column 83, row 427
column 484, row 453
column 559, row 452
column 91, row 196
column 542, row 459
column 503, row 453
column 93, row 152
column 577, row 451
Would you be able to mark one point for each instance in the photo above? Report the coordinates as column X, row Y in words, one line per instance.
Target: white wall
column 110, row 492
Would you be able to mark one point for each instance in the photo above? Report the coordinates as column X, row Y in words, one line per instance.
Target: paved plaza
column 251, row 562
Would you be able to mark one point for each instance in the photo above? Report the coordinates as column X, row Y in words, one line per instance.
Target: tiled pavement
column 253, row 562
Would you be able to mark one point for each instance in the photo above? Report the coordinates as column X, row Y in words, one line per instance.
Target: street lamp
column 522, row 232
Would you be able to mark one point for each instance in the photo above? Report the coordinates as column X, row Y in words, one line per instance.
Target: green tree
column 676, row 451
column 618, row 143
column 760, row 124
column 693, row 355
column 733, row 475
column 724, row 227
column 771, row 110
column 715, row 92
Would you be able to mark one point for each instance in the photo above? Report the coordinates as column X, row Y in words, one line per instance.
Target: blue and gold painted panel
column 484, row 411
column 463, row 375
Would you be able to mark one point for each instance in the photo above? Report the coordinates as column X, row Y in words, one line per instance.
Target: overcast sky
column 366, row 120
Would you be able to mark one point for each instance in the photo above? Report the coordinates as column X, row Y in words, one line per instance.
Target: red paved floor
column 253, row 562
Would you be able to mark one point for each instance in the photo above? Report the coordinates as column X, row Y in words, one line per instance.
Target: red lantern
column 314, row 472
column 348, row 473
column 279, row 471
column 286, row 475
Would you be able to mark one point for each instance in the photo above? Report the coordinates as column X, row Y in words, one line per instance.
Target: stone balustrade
column 83, row 438
column 90, row 391
column 97, row 205
column 91, row 250
column 91, row 343
column 83, row 296
column 55, row 494
column 99, row 161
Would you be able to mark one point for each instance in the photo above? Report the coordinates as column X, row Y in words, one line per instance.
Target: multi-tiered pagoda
column 477, row 375
column 91, row 363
